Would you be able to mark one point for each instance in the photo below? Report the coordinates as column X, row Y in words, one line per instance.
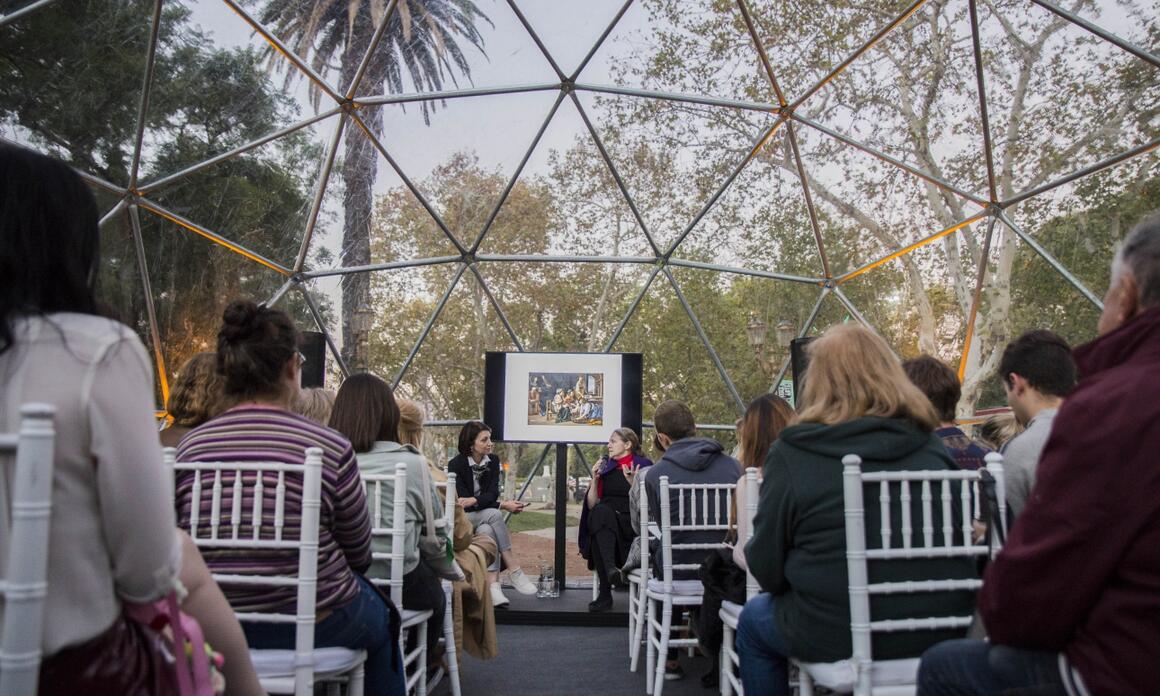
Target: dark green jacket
column 798, row 551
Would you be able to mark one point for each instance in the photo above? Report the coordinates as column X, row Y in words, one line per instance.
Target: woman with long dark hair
column 365, row 411
column 605, row 525
column 763, row 421
column 112, row 534
column 477, row 473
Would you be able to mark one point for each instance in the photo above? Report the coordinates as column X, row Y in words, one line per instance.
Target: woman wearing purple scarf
column 605, row 527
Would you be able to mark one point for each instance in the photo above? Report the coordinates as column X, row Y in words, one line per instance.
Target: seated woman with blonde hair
column 473, row 613
column 194, row 398
column 857, row 400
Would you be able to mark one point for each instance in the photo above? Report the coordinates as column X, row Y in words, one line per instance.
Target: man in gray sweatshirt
column 1037, row 370
column 687, row 459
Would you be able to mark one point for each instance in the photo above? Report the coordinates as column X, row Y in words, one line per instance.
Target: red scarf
column 625, row 463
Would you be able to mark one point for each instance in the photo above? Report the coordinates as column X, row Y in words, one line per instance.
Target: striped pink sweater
column 251, row 433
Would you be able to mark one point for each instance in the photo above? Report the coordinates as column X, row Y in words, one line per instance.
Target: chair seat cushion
column 839, row 676
column 730, row 613
column 688, row 588
column 412, row 617
column 279, row 664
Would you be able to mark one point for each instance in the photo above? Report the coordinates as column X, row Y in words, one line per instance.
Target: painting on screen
column 565, row 398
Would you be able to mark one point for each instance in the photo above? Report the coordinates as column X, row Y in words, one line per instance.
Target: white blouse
column 112, row 535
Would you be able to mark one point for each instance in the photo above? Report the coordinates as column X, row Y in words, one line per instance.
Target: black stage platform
column 569, row 609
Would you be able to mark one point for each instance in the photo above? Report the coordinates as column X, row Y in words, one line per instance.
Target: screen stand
column 561, row 511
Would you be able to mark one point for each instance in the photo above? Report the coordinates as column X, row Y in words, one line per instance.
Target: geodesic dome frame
column 348, row 106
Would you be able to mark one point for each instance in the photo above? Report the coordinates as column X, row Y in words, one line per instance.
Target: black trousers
column 422, row 591
column 610, row 534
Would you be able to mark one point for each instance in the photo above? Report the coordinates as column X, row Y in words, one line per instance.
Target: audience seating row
column 861, row 674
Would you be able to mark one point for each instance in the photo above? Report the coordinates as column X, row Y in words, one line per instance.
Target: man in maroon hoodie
column 1072, row 603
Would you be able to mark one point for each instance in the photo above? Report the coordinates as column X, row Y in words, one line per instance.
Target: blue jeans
column 361, row 624
column 762, row 649
column 970, row 667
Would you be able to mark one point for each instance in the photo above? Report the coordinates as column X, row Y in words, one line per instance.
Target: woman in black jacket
column 477, row 474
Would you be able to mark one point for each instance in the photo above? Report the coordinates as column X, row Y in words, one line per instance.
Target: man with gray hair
column 1071, row 603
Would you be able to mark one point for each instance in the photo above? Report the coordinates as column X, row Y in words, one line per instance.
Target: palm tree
column 422, row 42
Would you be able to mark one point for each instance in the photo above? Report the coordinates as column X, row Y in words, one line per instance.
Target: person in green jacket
column 857, row 400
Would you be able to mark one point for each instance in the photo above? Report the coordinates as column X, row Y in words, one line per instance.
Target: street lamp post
column 769, row 358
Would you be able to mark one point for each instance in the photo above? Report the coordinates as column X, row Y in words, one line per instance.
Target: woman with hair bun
column 258, row 358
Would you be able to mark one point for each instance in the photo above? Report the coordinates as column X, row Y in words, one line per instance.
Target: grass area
column 527, row 521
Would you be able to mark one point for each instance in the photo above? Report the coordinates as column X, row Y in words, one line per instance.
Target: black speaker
column 313, row 346
column 799, row 361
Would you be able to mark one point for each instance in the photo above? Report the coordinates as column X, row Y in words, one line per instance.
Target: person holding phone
column 605, row 523
column 477, row 473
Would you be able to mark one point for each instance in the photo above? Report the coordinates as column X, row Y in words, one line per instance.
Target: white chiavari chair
column 730, row 681
column 395, row 485
column 919, row 538
column 238, row 493
column 699, row 508
column 28, row 496
column 449, row 504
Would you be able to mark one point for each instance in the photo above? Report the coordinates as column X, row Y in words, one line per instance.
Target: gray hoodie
column 691, row 460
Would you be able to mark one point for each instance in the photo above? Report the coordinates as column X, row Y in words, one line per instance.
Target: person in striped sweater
column 258, row 358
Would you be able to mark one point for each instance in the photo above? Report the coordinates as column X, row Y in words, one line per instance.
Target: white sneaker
column 498, row 599
column 521, row 583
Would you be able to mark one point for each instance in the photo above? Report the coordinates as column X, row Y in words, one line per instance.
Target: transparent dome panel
column 564, row 306
column 673, row 156
column 677, row 364
column 261, row 200
column 749, row 321
column 462, row 154
column 567, row 200
column 569, row 29
column 70, row 81
column 806, row 41
column 762, row 222
column 193, row 279
column 913, row 97
column 669, row 47
column 869, row 209
column 1060, row 97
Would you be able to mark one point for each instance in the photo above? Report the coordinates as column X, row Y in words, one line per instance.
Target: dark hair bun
column 254, row 343
column 240, row 320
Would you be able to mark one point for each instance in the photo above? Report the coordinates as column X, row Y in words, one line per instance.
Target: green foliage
column 82, row 106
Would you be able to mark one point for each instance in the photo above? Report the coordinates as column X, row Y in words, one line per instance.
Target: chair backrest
column 449, row 501
column 252, row 482
column 643, row 525
column 752, row 588
column 393, row 526
column 945, row 541
column 24, row 587
column 700, row 507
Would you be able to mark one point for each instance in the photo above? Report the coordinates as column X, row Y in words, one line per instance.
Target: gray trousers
column 490, row 522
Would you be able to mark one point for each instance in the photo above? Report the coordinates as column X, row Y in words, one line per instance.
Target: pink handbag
column 190, row 659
